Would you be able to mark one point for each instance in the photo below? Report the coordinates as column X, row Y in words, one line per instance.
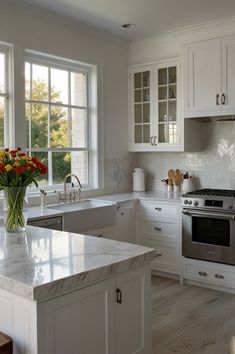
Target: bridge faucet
column 65, row 197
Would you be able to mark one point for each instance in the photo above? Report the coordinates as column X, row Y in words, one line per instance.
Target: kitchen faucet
column 72, row 196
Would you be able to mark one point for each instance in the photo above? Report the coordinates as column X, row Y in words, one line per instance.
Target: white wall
column 27, row 27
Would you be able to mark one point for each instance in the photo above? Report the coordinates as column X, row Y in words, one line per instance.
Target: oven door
column 208, row 235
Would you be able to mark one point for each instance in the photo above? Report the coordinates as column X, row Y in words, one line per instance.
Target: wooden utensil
column 171, row 174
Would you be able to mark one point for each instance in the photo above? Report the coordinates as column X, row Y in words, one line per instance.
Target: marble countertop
column 38, row 213
column 41, row 264
column 160, row 195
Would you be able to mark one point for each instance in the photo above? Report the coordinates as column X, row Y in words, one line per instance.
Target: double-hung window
column 59, row 110
column 4, row 95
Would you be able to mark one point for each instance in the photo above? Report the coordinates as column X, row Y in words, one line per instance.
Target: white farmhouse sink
column 87, row 215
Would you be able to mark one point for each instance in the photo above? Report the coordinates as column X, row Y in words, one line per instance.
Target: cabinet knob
column 158, row 209
column 202, row 274
column 157, row 228
column 219, row 276
column 223, row 99
column 217, row 99
column 118, row 296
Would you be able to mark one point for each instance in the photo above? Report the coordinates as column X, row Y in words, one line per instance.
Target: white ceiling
column 152, row 17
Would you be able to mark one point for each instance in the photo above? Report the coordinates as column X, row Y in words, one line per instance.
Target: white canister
column 187, row 185
column 138, row 180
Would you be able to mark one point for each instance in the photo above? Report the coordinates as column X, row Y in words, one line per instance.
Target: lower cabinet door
column 133, row 313
column 81, row 322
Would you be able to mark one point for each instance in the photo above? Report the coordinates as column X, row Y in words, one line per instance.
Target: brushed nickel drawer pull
column 158, row 255
column 202, row 274
column 99, row 235
column 158, row 209
column 219, row 276
column 217, row 99
column 223, row 98
column 157, row 228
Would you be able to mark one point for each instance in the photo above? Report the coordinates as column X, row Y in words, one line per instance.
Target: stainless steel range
column 208, row 225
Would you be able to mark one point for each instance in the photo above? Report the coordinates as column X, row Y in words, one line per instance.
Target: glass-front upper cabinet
column 154, row 108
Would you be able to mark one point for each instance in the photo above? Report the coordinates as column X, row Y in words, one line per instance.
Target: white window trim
column 95, row 126
column 7, row 49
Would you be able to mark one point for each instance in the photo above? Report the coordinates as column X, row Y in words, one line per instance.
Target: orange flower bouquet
column 17, row 171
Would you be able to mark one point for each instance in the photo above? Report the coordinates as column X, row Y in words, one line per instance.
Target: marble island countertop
column 41, row 264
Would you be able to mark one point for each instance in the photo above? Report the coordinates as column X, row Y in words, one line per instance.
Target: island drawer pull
column 158, row 209
column 202, row 274
column 118, row 296
column 219, row 276
column 157, row 228
column 100, row 235
column 158, row 255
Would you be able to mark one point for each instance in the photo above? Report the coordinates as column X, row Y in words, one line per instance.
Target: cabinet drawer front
column 157, row 230
column 156, row 211
column 208, row 275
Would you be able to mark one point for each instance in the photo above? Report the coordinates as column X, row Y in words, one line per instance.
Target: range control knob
column 195, row 203
column 186, row 201
column 190, row 202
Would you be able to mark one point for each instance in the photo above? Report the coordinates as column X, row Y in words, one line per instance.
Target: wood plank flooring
column 191, row 320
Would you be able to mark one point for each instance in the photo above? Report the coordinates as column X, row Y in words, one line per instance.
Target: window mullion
column 50, row 166
column 69, row 109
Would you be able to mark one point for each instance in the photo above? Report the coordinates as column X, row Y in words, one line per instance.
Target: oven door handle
column 208, row 214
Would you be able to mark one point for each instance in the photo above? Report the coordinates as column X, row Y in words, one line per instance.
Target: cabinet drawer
column 156, row 211
column 219, row 277
column 160, row 230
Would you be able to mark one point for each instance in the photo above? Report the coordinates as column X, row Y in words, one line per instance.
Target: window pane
column 42, row 157
column 59, row 127
column 79, row 89
column 78, row 132
column 27, row 81
column 61, row 166
column 2, row 113
column 27, row 117
column 59, row 86
column 2, row 73
column 79, row 165
column 39, row 83
column 39, row 130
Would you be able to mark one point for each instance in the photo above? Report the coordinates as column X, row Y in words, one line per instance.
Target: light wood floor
column 191, row 320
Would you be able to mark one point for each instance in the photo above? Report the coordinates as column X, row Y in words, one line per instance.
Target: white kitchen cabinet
column 209, row 78
column 209, row 274
column 159, row 227
column 109, row 317
column 154, row 107
column 125, row 223
column 104, row 232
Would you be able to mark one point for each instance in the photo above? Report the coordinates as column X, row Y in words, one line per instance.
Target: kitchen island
column 67, row 293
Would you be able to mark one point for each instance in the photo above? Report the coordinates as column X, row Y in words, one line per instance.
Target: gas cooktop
column 214, row 192
column 222, row 199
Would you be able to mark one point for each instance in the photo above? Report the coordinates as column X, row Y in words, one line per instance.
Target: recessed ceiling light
column 128, row 25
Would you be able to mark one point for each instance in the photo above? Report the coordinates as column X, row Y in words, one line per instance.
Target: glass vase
column 15, row 209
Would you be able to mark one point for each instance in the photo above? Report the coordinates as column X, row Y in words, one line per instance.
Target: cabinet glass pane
column 138, row 134
column 138, row 95
column 172, row 111
column 138, row 80
column 172, row 75
column 146, row 112
column 162, row 111
column 163, row 133
column 138, row 113
column 162, row 76
column 146, row 79
column 146, row 133
column 146, row 95
column 172, row 132
column 162, row 93
column 172, row 91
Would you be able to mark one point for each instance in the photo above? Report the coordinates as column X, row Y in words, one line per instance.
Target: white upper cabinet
column 154, row 106
column 210, row 78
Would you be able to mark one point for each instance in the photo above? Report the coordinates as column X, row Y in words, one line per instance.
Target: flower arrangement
column 17, row 171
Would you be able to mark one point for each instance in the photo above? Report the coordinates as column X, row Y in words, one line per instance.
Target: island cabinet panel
column 81, row 322
column 133, row 331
